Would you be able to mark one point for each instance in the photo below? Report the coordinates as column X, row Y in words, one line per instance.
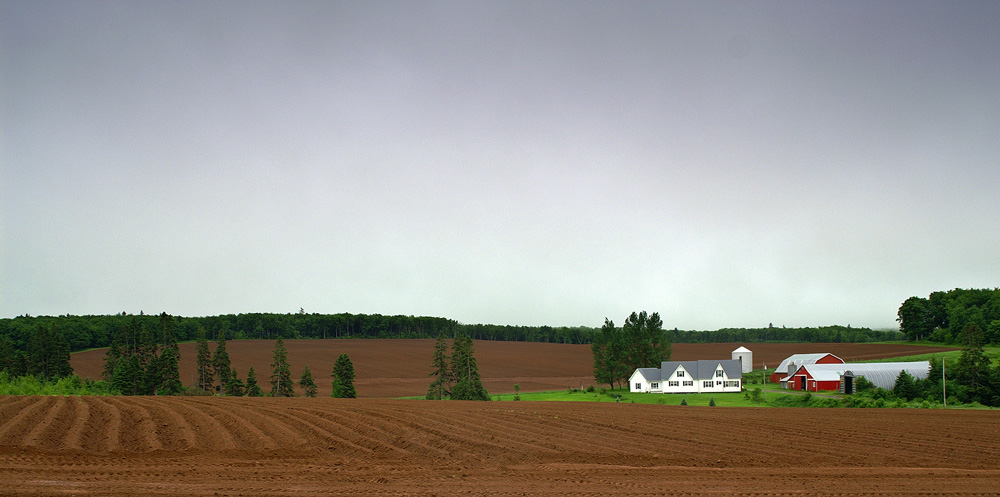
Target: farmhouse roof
column 702, row 368
column 800, row 359
column 648, row 374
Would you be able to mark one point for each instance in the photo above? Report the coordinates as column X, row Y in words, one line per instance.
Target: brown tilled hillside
column 400, row 367
column 211, row 446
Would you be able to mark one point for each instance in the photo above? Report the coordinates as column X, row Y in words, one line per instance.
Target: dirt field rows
column 305, row 447
column 399, row 368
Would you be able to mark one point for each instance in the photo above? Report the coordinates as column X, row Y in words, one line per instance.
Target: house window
column 732, row 383
column 654, row 386
column 718, row 373
column 689, row 383
column 674, row 383
column 680, row 374
column 707, row 384
column 638, row 386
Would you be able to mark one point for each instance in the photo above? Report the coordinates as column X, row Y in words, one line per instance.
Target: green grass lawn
column 670, row 399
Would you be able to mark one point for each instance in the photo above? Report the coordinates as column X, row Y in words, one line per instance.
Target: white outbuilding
column 745, row 357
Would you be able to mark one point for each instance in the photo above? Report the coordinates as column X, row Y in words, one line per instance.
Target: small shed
column 745, row 356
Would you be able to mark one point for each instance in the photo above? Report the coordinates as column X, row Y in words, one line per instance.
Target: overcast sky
column 726, row 164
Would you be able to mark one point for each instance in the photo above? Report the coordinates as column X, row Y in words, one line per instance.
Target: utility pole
column 944, row 383
column 763, row 378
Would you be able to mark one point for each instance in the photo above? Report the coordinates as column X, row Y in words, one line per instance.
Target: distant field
column 400, row 367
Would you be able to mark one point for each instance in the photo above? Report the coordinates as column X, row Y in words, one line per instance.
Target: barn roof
column 800, row 359
column 742, row 349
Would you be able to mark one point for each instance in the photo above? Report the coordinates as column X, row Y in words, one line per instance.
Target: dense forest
column 943, row 316
column 84, row 332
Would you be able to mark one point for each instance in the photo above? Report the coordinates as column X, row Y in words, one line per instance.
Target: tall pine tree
column 168, row 362
column 281, row 373
column 441, row 386
column 220, row 361
column 205, row 379
column 465, row 371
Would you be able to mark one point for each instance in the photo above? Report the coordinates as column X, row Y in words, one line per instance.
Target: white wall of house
column 683, row 381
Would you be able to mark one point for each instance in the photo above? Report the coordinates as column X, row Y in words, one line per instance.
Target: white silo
column 745, row 357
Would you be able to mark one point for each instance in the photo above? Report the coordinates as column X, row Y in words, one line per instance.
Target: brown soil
column 304, row 447
column 400, row 367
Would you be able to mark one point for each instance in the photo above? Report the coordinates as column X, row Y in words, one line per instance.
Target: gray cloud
column 523, row 163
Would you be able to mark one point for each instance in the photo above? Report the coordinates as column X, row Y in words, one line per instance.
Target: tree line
column 943, row 316
column 84, row 332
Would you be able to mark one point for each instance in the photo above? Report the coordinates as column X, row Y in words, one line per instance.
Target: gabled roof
column 648, row 374
column 800, row 359
column 742, row 349
column 703, row 369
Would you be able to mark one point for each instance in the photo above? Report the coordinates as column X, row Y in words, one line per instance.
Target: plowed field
column 399, row 368
column 305, row 447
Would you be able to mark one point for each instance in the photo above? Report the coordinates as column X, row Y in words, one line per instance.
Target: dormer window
column 680, row 373
column 718, row 373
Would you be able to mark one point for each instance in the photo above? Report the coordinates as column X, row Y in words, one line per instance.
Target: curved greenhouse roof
column 880, row 374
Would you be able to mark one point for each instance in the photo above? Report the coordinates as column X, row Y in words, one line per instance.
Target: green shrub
column 684, row 402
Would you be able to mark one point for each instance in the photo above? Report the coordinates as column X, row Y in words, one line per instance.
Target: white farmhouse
column 703, row 376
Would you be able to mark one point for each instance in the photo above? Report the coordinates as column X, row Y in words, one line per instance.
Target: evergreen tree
column 114, row 355
column 220, row 362
column 127, row 377
column 167, row 363
column 205, row 375
column 343, row 378
column 307, row 383
column 253, row 389
column 465, row 371
column 973, row 371
column 281, row 374
column 440, row 387
column 905, row 387
column 234, row 387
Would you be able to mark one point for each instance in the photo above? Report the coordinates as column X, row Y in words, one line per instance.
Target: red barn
column 792, row 363
column 813, row 378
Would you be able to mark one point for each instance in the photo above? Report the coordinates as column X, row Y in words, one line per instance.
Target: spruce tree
column 307, row 383
column 465, row 371
column 440, row 387
column 205, row 376
column 220, row 361
column 234, row 387
column 253, row 389
column 281, row 374
column 169, row 358
column 343, row 378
